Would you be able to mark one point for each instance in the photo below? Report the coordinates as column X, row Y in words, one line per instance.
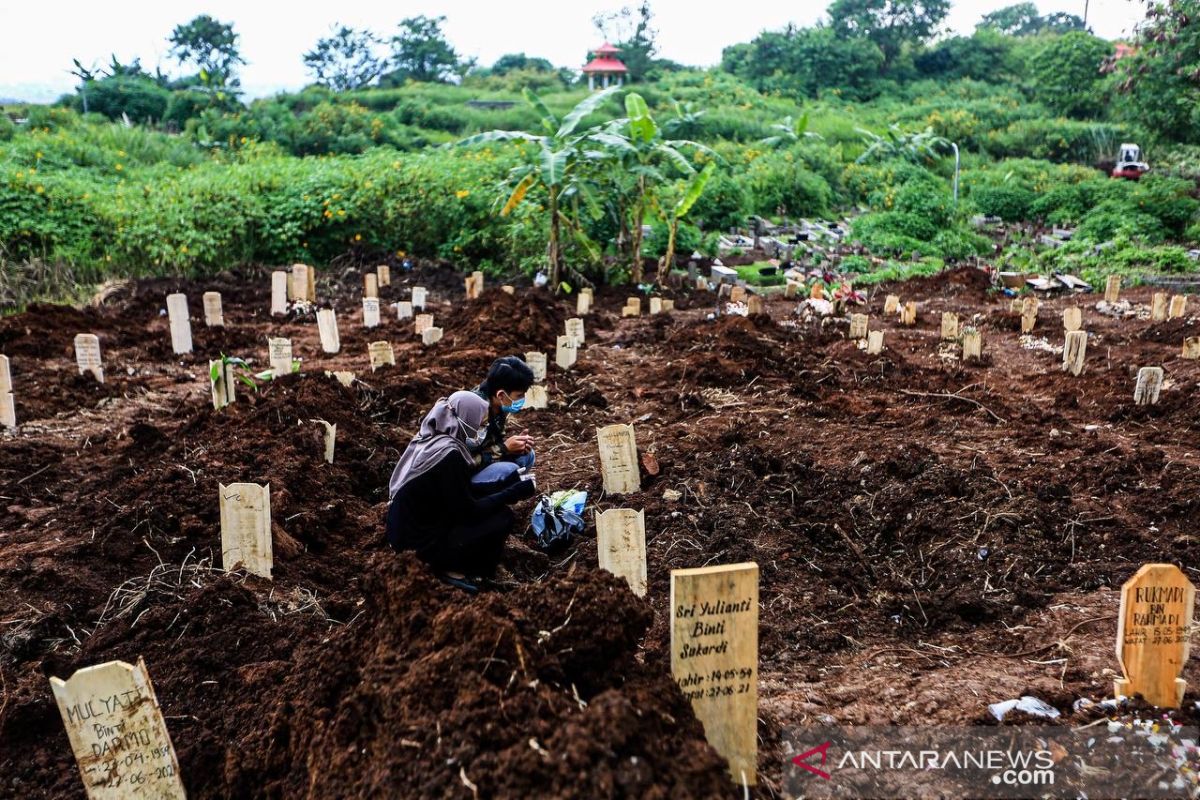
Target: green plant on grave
column 241, row 370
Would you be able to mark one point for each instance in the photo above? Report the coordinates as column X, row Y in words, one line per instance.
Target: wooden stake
column 301, row 280
column 972, row 345
column 1158, row 307
column 1191, row 347
column 508, row 289
column 566, row 352
column 8, row 412
column 1149, row 384
column 279, row 353
column 1112, row 289
column 330, row 439
column 789, row 290
column 1029, row 312
column 1075, row 352
column 618, row 459
column 656, row 305
column 754, row 304
column 574, row 327
column 328, row 330
column 181, row 325
column 422, row 323
column 1072, row 318
column 909, row 315
column 1178, row 306
column 621, row 545
column 949, row 326
column 246, row 528
column 737, row 294
column 370, row 312
column 117, row 733
column 418, row 297
column 858, row 326
column 87, row 355
column 633, row 307
column 668, row 305
column 537, row 363
column 371, row 285
column 222, row 383
column 279, row 293
column 874, row 343
column 431, row 335
column 817, row 292
column 714, row 657
column 891, row 304
column 214, row 317
column 1153, row 628
column 383, row 275
column 536, row 397
column 381, row 354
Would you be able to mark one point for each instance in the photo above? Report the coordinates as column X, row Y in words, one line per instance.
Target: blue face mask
column 513, row 407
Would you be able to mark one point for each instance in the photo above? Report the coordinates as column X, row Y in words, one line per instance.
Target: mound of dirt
column 962, row 282
column 507, row 323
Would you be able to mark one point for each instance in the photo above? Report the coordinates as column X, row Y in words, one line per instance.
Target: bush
column 894, row 233
column 1114, row 218
column 778, row 182
column 141, row 99
column 1012, row 203
column 723, row 204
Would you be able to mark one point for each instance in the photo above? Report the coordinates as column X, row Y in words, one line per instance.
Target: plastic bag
column 557, row 518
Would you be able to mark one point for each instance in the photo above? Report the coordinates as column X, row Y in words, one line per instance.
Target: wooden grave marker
column 621, row 545
column 1029, row 312
column 858, row 326
column 370, row 312
column 1153, row 628
column 656, row 305
column 371, row 285
column 431, row 335
column 508, row 289
column 181, row 326
column 972, row 344
column 214, row 315
column 246, row 528
column 891, row 304
column 618, row 459
column 583, row 304
column 279, row 354
column 714, row 657
column 754, row 304
column 302, row 280
column 87, row 355
column 668, row 305
column 383, row 275
column 574, row 327
column 1149, row 384
column 328, row 330
column 279, row 292
column 8, row 411
column 1074, row 352
column 566, row 352
column 949, row 326
column 537, row 363
column 330, row 429
column 1112, row 289
column 422, row 322
column 536, row 397
column 418, row 298
column 874, row 343
column 1158, row 307
column 117, row 733
column 789, row 290
column 908, row 316
column 381, row 354
column 1014, row 306
column 1072, row 318
column 633, row 307
column 737, row 294
column 404, row 310
column 1178, row 306
column 1191, row 347
column 344, row 377
column 817, row 292
column 223, row 383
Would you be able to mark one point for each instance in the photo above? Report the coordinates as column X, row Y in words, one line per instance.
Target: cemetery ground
column 932, row 536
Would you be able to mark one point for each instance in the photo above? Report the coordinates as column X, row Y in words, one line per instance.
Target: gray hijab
column 440, row 435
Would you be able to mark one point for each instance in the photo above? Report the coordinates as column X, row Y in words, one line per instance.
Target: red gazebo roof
column 605, row 49
column 601, row 65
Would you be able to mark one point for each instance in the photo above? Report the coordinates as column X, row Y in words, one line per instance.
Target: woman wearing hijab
column 434, row 510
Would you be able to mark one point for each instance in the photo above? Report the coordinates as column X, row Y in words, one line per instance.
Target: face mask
column 513, row 407
column 472, row 435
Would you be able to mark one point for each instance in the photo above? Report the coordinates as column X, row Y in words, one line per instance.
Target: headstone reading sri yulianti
column 279, row 353
column 583, row 304
column 1153, row 634
column 1112, row 289
column 891, row 304
column 536, row 397
column 404, row 309
column 754, row 304
column 1191, row 347
column 431, row 335
column 618, row 459
column 8, row 411
column 1072, row 318
column 1149, row 384
column 370, row 285
column 1178, row 306
column 330, row 439
column 714, row 657
column 858, row 326
column 908, row 315
column 949, row 326
column 418, row 297
column 1074, row 352
column 328, row 330
column 422, row 322
column 117, row 733
column 383, row 275
column 874, row 343
column 574, row 327
column 370, row 312
column 381, row 354
column 223, row 383
column 566, row 352
column 1158, row 306
column 972, row 344
column 621, row 545
column 279, row 292
column 656, row 305
column 1029, row 312
column 87, row 355
column 181, row 326
column 214, row 317
column 537, row 363
column 246, row 528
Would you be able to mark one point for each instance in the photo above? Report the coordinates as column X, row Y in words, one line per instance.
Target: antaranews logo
column 801, row 760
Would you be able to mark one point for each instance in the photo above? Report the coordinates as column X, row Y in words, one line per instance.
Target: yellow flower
column 119, row 168
column 183, row 248
column 461, row 193
column 40, row 189
column 358, row 237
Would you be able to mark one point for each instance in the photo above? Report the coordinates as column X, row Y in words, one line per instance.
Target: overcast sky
column 38, row 39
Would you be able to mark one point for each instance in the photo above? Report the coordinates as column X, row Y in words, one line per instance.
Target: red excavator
column 1129, row 164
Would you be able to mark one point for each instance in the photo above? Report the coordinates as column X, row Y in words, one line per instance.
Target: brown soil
column 932, row 536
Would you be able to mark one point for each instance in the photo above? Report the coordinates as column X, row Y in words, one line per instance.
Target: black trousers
column 473, row 549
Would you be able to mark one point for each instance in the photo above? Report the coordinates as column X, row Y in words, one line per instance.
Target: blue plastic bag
column 557, row 518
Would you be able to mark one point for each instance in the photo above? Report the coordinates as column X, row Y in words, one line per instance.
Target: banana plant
column 918, row 148
column 558, row 166
column 691, row 194
column 790, row 132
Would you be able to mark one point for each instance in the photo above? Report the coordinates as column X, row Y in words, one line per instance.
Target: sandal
column 459, row 582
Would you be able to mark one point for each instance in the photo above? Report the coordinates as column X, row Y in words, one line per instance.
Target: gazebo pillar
column 591, row 82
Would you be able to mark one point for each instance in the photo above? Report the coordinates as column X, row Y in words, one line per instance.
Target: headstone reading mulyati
column 246, row 528
column 181, row 326
column 87, row 355
column 621, row 545
column 618, row 459
column 1154, row 626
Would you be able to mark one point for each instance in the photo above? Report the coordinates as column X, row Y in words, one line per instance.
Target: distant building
column 604, row 68
column 1124, row 51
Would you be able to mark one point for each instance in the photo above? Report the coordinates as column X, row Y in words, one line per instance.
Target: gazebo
column 606, row 66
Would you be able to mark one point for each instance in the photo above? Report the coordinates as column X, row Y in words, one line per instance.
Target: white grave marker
column 949, row 326
column 891, row 304
column 87, row 355
column 418, row 297
column 302, row 278
column 621, row 545
column 1191, row 347
column 431, row 335
column 754, row 304
column 383, row 275
column 1112, row 289
column 566, row 352
column 1149, row 384
column 656, row 305
column 181, row 326
column 214, row 316
column 874, row 343
column 422, row 322
column 246, row 528
column 972, row 344
column 381, row 354
column 583, row 304
column 330, row 439
column 908, row 314
column 1158, row 306
column 370, row 312
column 404, row 309
column 8, row 413
column 371, row 285
column 858, row 326
column 328, row 330
column 279, row 353
column 537, row 363
column 279, row 292
column 223, row 383
column 574, row 327
column 536, row 397
column 1178, row 306
column 618, row 459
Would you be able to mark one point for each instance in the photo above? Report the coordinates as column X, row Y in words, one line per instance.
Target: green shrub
column 1012, row 203
column 781, row 184
column 1113, row 218
column 723, row 204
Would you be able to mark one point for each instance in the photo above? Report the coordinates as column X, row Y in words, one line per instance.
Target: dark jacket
column 492, row 449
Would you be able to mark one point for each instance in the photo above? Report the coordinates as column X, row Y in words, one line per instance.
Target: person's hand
column 518, row 445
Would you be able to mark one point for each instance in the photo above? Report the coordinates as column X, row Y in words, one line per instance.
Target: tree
column 804, row 62
column 986, row 55
column 1023, row 19
column 1162, row 78
column 420, row 52
column 789, row 131
column 630, row 32
column 888, row 23
column 679, row 210
column 346, row 60
column 919, row 148
column 211, row 47
column 1067, row 74
column 519, row 61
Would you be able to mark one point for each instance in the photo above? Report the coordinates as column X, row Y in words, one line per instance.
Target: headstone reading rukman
column 949, row 326
column 1178, row 306
column 618, row 459
column 117, row 733
column 1158, row 306
column 328, row 330
column 1072, row 318
column 1149, row 384
column 1153, row 630
column 381, row 354
column 214, row 316
column 87, row 355
column 1112, row 289
column 223, row 383
column 181, row 326
column 279, row 353
column 246, row 528
column 621, row 545
column 418, row 297
column 431, row 335
column 714, row 657
column 972, row 344
column 537, row 363
column 383, row 275
column 8, row 411
column 874, row 343
column 891, row 304
column 370, row 312
column 370, row 285
column 536, row 397
column 279, row 292
column 858, row 326
column 1191, row 347
column 421, row 322
column 574, row 327
column 1074, row 352
column 566, row 352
